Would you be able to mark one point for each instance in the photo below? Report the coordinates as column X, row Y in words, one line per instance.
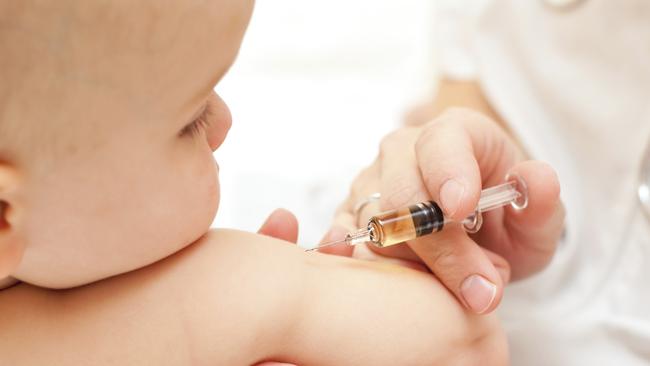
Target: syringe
column 424, row 218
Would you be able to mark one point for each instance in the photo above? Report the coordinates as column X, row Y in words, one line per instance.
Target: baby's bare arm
column 368, row 313
column 203, row 306
column 236, row 299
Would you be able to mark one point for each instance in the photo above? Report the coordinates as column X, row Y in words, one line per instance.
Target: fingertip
column 458, row 199
column 281, row 224
column 539, row 176
column 285, row 215
column 464, row 268
column 451, row 196
column 543, row 187
column 480, row 295
column 289, row 221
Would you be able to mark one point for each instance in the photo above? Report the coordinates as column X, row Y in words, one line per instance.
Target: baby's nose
column 218, row 130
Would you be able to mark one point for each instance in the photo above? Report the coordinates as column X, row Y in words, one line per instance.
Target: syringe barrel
column 397, row 226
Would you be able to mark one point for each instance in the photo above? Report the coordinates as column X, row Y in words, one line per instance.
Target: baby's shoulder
column 254, row 284
column 248, row 255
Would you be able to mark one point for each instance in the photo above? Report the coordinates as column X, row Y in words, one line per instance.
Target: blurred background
column 315, row 87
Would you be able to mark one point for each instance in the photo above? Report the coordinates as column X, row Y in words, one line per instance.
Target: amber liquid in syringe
column 398, row 226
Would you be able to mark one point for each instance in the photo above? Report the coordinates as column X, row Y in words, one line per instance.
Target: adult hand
column 450, row 160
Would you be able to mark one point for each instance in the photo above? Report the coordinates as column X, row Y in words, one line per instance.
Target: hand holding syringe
column 424, row 218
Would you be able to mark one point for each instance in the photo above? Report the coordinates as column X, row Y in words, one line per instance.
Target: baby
column 108, row 122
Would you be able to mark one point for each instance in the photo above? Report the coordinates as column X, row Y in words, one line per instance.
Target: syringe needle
column 328, row 244
column 353, row 238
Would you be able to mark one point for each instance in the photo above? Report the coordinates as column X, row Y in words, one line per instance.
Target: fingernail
column 478, row 293
column 451, row 193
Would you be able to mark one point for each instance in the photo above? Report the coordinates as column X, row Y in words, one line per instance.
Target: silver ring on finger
column 363, row 203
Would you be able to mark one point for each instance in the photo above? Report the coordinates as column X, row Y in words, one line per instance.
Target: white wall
column 316, row 86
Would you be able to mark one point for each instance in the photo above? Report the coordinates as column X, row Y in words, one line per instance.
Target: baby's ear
column 12, row 242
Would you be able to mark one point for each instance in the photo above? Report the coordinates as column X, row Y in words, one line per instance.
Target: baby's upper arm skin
column 378, row 314
column 237, row 299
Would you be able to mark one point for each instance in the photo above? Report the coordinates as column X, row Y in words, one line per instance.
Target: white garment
column 574, row 83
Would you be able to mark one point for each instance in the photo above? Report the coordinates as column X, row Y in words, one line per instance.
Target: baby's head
column 108, row 122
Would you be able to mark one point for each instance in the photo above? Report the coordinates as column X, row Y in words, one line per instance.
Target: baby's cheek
column 206, row 196
column 191, row 196
column 213, row 197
